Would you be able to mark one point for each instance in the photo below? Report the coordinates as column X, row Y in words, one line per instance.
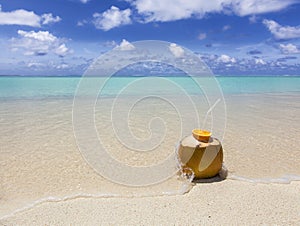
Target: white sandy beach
column 222, row 203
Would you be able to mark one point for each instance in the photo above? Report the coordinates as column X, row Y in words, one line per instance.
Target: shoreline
column 225, row 202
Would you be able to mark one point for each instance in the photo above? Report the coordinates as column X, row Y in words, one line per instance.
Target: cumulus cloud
column 289, row 49
column 27, row 18
column 125, row 45
column 176, row 50
column 82, row 23
column 223, row 65
column 35, row 64
column 170, row 10
column 61, row 50
column 226, row 59
column 48, row 18
column 253, row 19
column 250, row 7
column 19, row 17
column 282, row 32
column 62, row 66
column 260, row 61
column 38, row 43
column 111, row 18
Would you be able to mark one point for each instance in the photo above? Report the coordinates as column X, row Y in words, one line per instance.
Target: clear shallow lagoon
column 39, row 159
column 43, row 87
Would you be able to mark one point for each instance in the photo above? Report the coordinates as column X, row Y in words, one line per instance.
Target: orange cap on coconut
column 201, row 135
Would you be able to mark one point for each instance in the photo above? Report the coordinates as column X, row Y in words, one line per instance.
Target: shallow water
column 261, row 140
column 40, row 160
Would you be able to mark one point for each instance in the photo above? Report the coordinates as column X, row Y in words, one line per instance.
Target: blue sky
column 62, row 37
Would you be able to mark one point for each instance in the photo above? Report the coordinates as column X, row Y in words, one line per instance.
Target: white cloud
column 226, row 59
column 250, row 7
column 170, row 10
column 38, row 43
column 260, row 61
column 125, row 45
column 48, row 18
column 19, row 17
column 43, row 36
column 62, row 66
column 49, row 65
column 61, row 50
column 81, row 23
column 35, row 64
column 84, row 1
column 289, row 49
column 282, row 32
column 111, row 18
column 202, row 36
column 176, row 50
column 27, row 18
column 253, row 19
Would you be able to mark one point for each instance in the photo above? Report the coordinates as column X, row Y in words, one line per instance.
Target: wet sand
column 222, row 203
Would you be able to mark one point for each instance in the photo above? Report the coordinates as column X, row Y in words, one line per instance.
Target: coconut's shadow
column 222, row 175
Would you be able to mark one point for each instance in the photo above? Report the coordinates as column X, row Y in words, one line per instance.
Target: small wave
column 285, row 179
column 56, row 199
column 185, row 188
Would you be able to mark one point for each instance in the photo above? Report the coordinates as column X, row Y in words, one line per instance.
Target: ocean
column 54, row 87
column 139, row 122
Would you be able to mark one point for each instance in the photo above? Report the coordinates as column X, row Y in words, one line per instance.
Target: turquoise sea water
column 43, row 87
